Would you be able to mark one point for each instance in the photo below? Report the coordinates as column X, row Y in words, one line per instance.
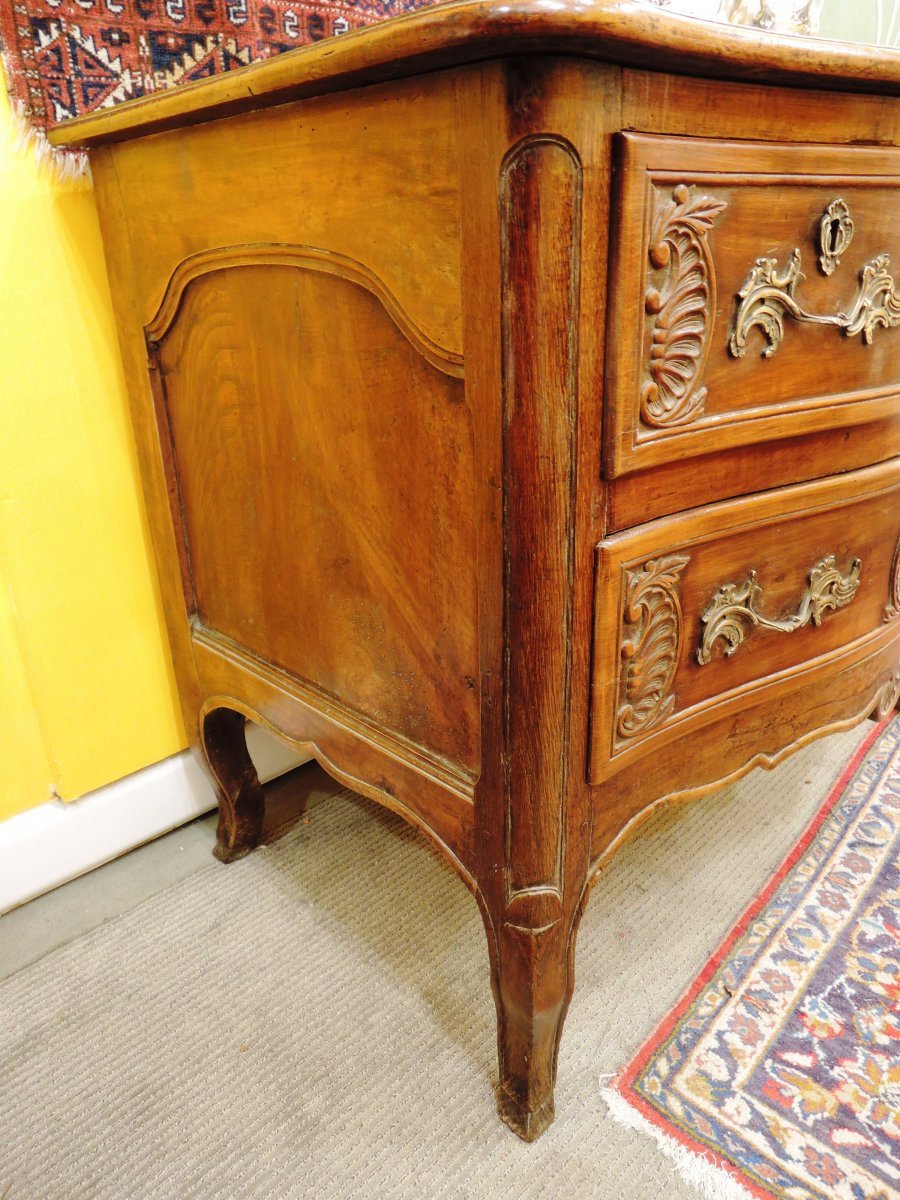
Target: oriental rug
column 778, row 1073
column 65, row 58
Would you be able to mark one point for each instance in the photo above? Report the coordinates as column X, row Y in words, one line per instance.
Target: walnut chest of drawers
column 517, row 396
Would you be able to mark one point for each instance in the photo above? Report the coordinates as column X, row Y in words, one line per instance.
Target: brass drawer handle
column 732, row 613
column 767, row 298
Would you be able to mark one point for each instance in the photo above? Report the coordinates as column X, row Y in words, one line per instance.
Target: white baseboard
column 55, row 842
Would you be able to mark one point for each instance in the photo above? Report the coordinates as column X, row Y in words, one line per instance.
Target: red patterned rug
column 64, row 58
column 778, row 1074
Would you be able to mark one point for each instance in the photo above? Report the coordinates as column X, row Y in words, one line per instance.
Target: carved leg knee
column 533, row 987
column 888, row 698
column 240, row 794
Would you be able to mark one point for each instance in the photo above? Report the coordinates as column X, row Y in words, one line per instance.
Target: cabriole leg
column 533, row 986
column 240, row 794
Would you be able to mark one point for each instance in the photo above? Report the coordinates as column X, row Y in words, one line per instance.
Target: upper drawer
column 752, row 295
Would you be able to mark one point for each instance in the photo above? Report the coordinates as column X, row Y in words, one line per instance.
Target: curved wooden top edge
column 617, row 31
column 311, row 258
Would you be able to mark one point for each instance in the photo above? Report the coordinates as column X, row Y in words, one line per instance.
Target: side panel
column 323, row 469
column 291, row 278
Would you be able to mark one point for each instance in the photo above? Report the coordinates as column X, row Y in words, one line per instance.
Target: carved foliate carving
column 733, row 612
column 893, row 606
column 767, row 298
column 682, row 307
column 888, row 697
column 650, row 645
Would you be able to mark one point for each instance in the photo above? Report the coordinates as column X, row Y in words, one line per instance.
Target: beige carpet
column 316, row 1020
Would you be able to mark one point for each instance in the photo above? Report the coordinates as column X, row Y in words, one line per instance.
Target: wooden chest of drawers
column 517, row 397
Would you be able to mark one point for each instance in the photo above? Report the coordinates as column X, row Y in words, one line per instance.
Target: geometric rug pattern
column 65, row 58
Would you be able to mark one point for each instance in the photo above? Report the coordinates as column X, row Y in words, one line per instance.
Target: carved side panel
column 540, row 190
column 682, row 303
column 650, row 646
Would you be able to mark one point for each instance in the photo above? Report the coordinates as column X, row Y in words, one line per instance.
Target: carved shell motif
column 893, row 607
column 682, row 307
column 651, row 644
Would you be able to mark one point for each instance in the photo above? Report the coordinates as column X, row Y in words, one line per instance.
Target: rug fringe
column 66, row 166
column 698, row 1169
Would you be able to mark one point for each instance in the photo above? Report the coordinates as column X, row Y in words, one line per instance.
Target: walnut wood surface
column 279, row 446
column 413, row 504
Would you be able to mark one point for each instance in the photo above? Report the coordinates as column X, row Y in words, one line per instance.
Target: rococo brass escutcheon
column 835, row 235
column 767, row 298
column 733, row 611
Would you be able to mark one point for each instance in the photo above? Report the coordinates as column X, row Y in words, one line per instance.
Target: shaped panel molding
column 540, row 207
column 309, row 258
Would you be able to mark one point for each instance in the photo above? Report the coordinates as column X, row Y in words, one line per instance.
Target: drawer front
column 709, row 610
column 752, row 295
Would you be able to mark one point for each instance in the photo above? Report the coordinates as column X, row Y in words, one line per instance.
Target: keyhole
column 834, row 235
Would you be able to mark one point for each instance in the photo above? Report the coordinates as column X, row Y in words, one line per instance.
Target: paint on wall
column 86, row 689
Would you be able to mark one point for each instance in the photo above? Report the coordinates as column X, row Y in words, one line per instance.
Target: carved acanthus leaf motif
column 893, row 606
column 683, row 307
column 651, row 643
column 733, row 613
column 767, row 297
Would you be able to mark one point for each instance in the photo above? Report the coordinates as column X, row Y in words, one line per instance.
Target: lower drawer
column 711, row 609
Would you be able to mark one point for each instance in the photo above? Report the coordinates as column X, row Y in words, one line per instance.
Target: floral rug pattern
column 782, row 1063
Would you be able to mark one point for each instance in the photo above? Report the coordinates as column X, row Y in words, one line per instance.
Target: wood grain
column 345, row 176
column 540, row 196
column 279, row 447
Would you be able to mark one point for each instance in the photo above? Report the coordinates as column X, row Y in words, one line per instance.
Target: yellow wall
column 86, row 693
